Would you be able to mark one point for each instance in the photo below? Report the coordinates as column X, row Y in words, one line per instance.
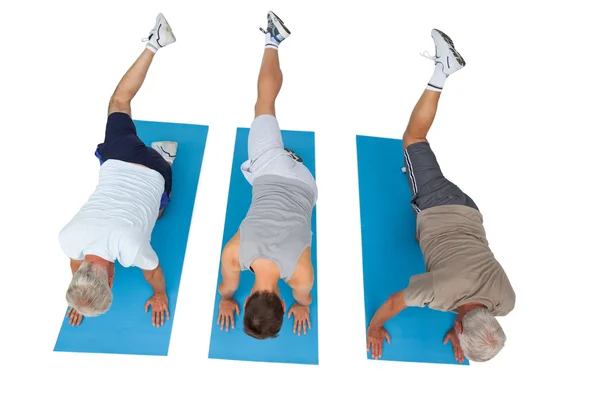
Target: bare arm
column 230, row 268
column 303, row 280
column 392, row 307
column 156, row 279
column 230, row 282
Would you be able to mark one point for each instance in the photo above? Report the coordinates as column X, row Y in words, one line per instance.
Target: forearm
column 229, row 284
column 156, row 279
column 304, row 298
column 226, row 291
column 392, row 307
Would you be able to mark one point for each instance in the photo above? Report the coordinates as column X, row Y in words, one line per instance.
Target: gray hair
column 89, row 293
column 482, row 336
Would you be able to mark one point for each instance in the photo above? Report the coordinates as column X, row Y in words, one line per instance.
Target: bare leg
column 421, row 118
column 270, row 80
column 130, row 84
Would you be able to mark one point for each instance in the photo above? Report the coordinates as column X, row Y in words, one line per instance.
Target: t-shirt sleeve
column 146, row 257
column 68, row 238
column 507, row 302
column 419, row 292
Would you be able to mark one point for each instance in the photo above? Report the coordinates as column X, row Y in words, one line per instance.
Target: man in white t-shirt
column 116, row 222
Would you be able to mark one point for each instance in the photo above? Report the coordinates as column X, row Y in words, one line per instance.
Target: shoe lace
column 148, row 37
column 270, row 27
column 427, row 55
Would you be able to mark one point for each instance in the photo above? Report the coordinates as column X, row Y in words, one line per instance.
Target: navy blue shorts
column 427, row 183
column 121, row 142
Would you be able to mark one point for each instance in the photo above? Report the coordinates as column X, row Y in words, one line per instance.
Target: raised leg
column 160, row 36
column 270, row 80
column 427, row 183
column 421, row 118
column 130, row 84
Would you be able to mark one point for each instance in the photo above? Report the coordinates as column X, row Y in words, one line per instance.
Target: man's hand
column 74, row 317
column 301, row 317
column 160, row 307
column 453, row 338
column 375, row 337
column 227, row 309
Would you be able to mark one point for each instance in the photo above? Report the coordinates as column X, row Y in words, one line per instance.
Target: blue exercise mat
column 126, row 328
column 235, row 344
column 391, row 255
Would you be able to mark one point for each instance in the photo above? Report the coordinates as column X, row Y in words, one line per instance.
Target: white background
column 516, row 129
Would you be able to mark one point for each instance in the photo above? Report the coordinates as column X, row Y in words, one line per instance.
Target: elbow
column 149, row 274
column 396, row 302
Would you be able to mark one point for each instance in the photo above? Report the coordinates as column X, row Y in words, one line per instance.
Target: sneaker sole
column 167, row 27
column 461, row 61
column 280, row 22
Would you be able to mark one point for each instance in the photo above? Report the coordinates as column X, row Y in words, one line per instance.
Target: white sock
column 436, row 83
column 152, row 48
column 270, row 43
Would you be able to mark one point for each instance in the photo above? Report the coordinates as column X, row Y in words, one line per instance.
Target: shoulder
column 231, row 249
column 419, row 291
column 135, row 249
column 508, row 299
column 304, row 274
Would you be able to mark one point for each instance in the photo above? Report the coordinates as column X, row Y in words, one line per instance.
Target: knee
column 264, row 107
column 410, row 137
column 119, row 103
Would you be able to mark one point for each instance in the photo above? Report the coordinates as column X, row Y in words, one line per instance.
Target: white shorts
column 266, row 154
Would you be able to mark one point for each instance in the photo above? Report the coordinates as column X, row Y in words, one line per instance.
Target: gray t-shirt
column 278, row 224
column 460, row 266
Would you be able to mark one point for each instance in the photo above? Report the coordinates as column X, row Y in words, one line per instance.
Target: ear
column 111, row 275
column 283, row 304
column 458, row 324
column 111, row 279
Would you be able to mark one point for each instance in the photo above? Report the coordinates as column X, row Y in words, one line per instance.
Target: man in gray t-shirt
column 462, row 274
column 274, row 240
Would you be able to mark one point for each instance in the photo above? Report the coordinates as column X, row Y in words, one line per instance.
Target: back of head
column 482, row 336
column 89, row 293
column 263, row 315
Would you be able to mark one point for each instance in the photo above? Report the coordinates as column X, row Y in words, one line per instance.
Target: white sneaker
column 445, row 53
column 276, row 28
column 168, row 150
column 161, row 35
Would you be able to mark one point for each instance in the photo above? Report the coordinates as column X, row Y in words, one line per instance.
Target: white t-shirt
column 116, row 222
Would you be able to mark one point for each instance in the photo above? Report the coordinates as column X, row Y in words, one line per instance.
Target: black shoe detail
column 166, row 152
column 445, row 37
column 282, row 24
column 294, row 155
column 456, row 54
column 158, row 35
column 280, row 20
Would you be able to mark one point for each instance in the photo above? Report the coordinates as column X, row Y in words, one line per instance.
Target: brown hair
column 263, row 315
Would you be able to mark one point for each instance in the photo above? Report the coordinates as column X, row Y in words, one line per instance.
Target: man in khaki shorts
column 274, row 239
column 462, row 274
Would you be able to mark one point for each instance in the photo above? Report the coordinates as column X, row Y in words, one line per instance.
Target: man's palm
column 301, row 317
column 227, row 309
column 74, row 317
column 375, row 337
column 451, row 336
